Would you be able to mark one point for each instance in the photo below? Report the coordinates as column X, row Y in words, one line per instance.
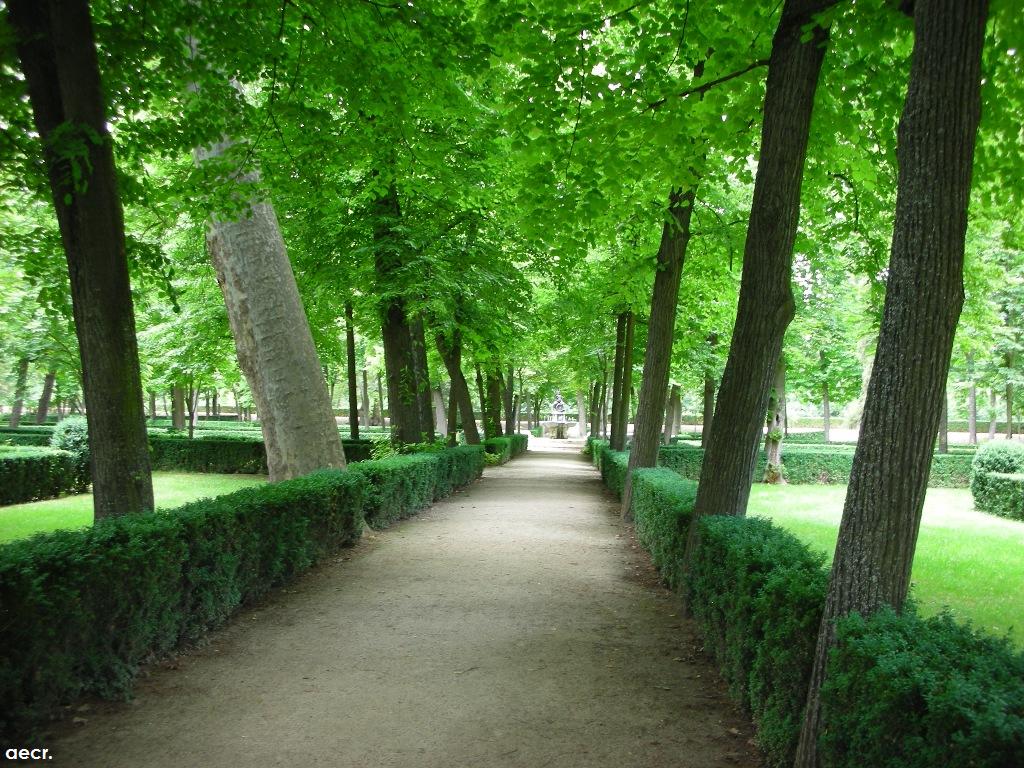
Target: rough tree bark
column 773, row 439
column 625, row 385
column 440, row 414
column 481, row 391
column 992, row 419
column 380, row 400
column 353, row 385
column 424, row 400
column 923, row 299
column 675, row 236
column 826, row 403
column 709, row 396
column 615, row 440
column 403, row 387
column 451, row 355
column 43, row 409
column 365, row 392
column 177, row 407
column 20, row 384
column 581, row 413
column 152, row 404
column 508, row 394
column 766, row 300
column 492, row 412
column 944, row 424
column 54, row 41
column 672, row 413
column 595, row 406
column 1009, row 409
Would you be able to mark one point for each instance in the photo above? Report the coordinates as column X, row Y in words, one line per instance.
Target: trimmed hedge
column 500, row 447
column 820, row 464
column 81, row 610
column 225, row 453
column 31, row 474
column 662, row 506
column 997, row 479
column 401, row 486
column 901, row 691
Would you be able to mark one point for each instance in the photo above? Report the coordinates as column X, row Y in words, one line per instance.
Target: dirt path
column 514, row 624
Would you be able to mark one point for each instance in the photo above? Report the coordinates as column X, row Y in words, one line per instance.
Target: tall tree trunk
column 452, row 438
column 972, row 402
column 675, row 236
column 353, row 380
column 396, row 331
column 944, row 424
column 773, row 439
column 671, row 410
column 595, row 409
column 492, row 413
column 617, row 441
column 54, row 41
column 923, row 298
column 216, row 404
column 365, row 393
column 421, row 372
column 766, row 300
column 625, row 385
column 177, row 408
column 43, row 409
column 709, row 397
column 993, row 418
column 440, row 414
column 1009, row 410
column 604, row 405
column 826, row 405
column 581, row 413
column 451, row 355
column 20, row 384
column 509, row 395
column 380, row 400
column 152, row 404
column 193, row 409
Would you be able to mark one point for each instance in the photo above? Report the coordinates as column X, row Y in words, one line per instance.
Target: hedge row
column 81, row 610
column 31, row 474
column 811, row 464
column 508, row 447
column 902, row 691
column 997, row 479
column 225, row 453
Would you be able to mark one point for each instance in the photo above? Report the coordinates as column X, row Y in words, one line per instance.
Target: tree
column 924, row 296
column 58, row 56
column 766, row 303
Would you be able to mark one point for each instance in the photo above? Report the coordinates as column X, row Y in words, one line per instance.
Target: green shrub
column 72, row 435
column 991, row 489
column 757, row 593
column 613, row 469
column 1001, row 494
column 921, row 693
column 520, row 443
column 662, row 506
column 80, row 610
column 32, row 474
column 25, row 437
column 500, row 447
column 226, row 453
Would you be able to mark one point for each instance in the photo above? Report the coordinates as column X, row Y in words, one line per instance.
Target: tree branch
column 705, row 87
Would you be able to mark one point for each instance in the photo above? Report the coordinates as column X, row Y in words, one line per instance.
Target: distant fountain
column 557, row 425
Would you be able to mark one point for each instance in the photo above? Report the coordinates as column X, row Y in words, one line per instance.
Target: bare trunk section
column 675, row 236
column 380, row 400
column 616, row 440
column 1009, row 410
column 353, row 383
column 43, row 409
column 992, row 419
column 708, row 416
column 581, row 413
column 440, row 414
column 20, row 384
column 509, row 397
column 773, row 472
column 178, row 408
column 54, row 41
column 421, row 374
column 826, row 405
column 766, row 300
column 944, row 424
column 672, row 413
column 152, row 404
column 492, row 412
column 365, row 392
column 923, row 298
column 626, row 385
column 451, row 355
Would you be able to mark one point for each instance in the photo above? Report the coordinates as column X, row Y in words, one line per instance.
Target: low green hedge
column 226, row 453
column 31, row 474
column 662, row 506
column 994, row 483
column 901, row 691
column 820, row 464
column 500, row 447
column 400, row 486
column 520, row 443
column 81, row 610
column 613, row 465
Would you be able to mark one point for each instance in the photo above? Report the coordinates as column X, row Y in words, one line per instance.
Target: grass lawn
column 171, row 489
column 970, row 562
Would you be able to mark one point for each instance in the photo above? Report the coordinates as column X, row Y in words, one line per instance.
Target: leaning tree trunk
column 365, row 396
column 923, row 298
column 43, row 409
column 353, row 381
column 380, row 400
column 625, row 386
column 451, row 355
column 709, row 397
column 492, row 413
column 54, row 41
column 440, row 414
column 675, row 236
column 20, row 384
column 766, row 300
column 773, row 438
column 509, row 397
column 482, row 393
column 421, row 373
column 672, row 413
column 972, row 403
column 615, row 441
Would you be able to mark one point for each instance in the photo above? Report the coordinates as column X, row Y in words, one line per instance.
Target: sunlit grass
column 970, row 562
column 170, row 489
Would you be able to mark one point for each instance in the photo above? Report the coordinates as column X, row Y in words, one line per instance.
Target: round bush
column 72, row 435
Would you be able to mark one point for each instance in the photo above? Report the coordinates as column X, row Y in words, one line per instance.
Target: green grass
column 171, row 489
column 969, row 562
